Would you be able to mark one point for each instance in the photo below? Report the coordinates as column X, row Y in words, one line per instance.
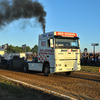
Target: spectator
column 90, row 58
column 96, row 58
column 93, row 58
column 86, row 58
column 99, row 59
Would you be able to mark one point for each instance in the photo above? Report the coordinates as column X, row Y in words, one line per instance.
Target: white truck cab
column 57, row 52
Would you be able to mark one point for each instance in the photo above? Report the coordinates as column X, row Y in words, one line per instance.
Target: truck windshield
column 66, row 43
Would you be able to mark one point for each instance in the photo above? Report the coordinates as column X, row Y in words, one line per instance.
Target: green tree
column 28, row 49
column 16, row 49
column 10, row 48
column 35, row 49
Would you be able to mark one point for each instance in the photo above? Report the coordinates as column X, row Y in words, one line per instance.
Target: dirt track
column 80, row 85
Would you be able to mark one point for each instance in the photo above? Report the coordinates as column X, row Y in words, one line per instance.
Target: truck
column 57, row 52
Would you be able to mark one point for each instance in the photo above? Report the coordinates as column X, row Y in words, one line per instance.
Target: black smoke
column 11, row 10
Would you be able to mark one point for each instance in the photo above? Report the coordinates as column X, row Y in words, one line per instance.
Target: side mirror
column 51, row 43
column 79, row 42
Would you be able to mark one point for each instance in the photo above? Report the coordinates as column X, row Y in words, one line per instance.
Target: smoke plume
column 11, row 10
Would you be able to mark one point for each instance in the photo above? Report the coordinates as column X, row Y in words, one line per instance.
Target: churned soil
column 80, row 85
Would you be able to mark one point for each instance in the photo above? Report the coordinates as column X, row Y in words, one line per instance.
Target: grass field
column 90, row 68
column 12, row 91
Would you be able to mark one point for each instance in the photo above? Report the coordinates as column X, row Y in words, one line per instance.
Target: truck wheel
column 46, row 70
column 69, row 73
column 25, row 68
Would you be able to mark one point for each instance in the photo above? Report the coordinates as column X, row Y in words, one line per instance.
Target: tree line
column 16, row 49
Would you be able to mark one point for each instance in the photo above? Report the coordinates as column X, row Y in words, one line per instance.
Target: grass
column 11, row 88
column 90, row 68
column 25, row 93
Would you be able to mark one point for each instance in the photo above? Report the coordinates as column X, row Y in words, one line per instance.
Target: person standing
column 96, row 58
column 86, row 58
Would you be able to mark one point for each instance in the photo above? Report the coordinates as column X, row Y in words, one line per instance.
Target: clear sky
column 78, row 16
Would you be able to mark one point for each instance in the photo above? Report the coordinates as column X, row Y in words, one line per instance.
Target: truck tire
column 69, row 73
column 25, row 67
column 46, row 70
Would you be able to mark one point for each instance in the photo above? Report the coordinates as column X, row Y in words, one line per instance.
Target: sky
column 77, row 16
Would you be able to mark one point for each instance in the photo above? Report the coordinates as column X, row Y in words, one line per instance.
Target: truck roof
column 57, row 33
